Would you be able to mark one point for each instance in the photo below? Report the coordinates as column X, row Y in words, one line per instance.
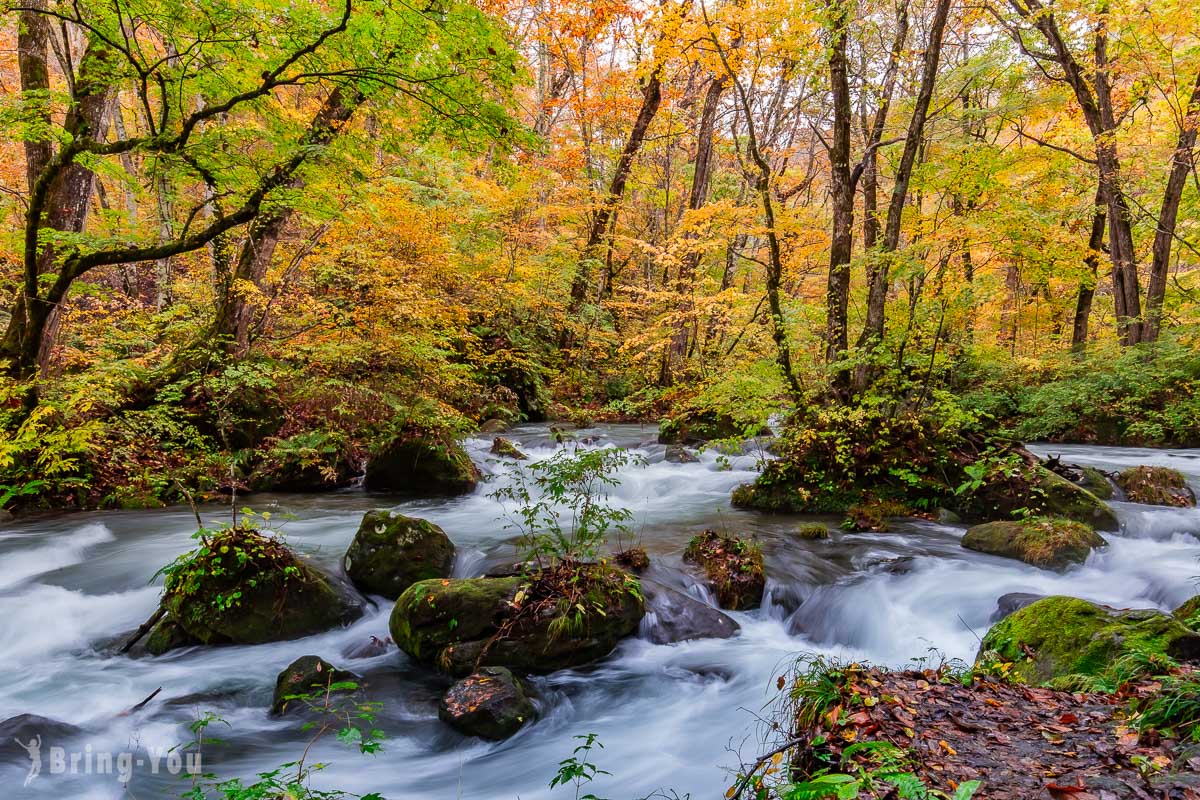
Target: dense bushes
column 1145, row 395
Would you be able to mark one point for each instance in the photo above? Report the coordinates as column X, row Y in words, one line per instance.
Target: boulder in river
column 391, row 552
column 1097, row 482
column 1158, row 486
column 733, row 566
column 812, row 531
column 672, row 616
column 1060, row 637
column 309, row 677
column 417, row 461
column 243, row 587
column 1041, row 542
column 1039, row 491
column 494, row 425
column 562, row 617
column 634, row 559
column 505, row 449
column 489, row 703
column 28, row 728
column 678, row 454
column 1013, row 602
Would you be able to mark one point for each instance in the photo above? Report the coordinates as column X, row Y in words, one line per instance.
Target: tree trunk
column 1164, row 233
column 1087, row 288
column 873, row 326
column 837, row 296
column 598, row 230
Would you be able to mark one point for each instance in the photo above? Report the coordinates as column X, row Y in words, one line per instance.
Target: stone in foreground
column 489, row 703
column 308, row 676
column 1061, row 637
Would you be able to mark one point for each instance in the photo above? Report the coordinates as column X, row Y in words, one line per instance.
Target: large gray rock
column 672, row 616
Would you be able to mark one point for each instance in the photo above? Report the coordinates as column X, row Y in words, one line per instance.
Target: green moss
column 1189, row 613
column 1160, row 486
column 390, row 552
column 1063, row 636
column 1043, row 542
column 1097, row 483
column 1033, row 490
column 812, row 530
column 434, row 613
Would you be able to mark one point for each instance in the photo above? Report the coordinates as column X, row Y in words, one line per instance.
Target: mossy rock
column 1158, row 486
column 1189, row 613
column 490, row 704
column 247, row 588
column 1064, row 636
column 423, row 463
column 1047, row 543
column 167, row 635
column 678, row 454
column 1097, row 483
column 462, row 624
column 1036, row 490
column 505, row 449
column 391, row 552
column 494, row 425
column 733, row 566
column 812, row 530
column 309, row 676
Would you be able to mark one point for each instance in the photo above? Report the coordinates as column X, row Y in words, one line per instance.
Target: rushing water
column 73, row 587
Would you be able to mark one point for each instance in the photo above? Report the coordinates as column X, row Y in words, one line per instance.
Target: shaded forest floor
column 1019, row 741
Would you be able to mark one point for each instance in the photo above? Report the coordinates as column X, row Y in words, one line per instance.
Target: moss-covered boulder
column 733, row 567
column 560, row 618
column 309, row 677
column 1011, row 494
column 242, row 587
column 1043, row 542
column 391, row 552
column 489, row 703
column 1158, row 486
column 313, row 461
column 505, row 449
column 812, row 531
column 678, row 454
column 1097, row 483
column 1063, row 636
column 421, row 462
column 1189, row 613
column 494, row 425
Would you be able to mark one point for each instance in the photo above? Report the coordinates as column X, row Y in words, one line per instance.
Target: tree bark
column 1164, row 233
column 1087, row 288
column 873, row 326
column 837, row 295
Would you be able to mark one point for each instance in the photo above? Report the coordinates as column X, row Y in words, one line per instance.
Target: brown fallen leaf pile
column 1021, row 742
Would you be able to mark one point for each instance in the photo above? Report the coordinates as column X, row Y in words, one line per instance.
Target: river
column 72, row 587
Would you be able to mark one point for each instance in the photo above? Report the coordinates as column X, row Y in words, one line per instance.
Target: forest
column 770, row 399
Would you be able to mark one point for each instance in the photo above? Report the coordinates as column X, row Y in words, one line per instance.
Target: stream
column 73, row 587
